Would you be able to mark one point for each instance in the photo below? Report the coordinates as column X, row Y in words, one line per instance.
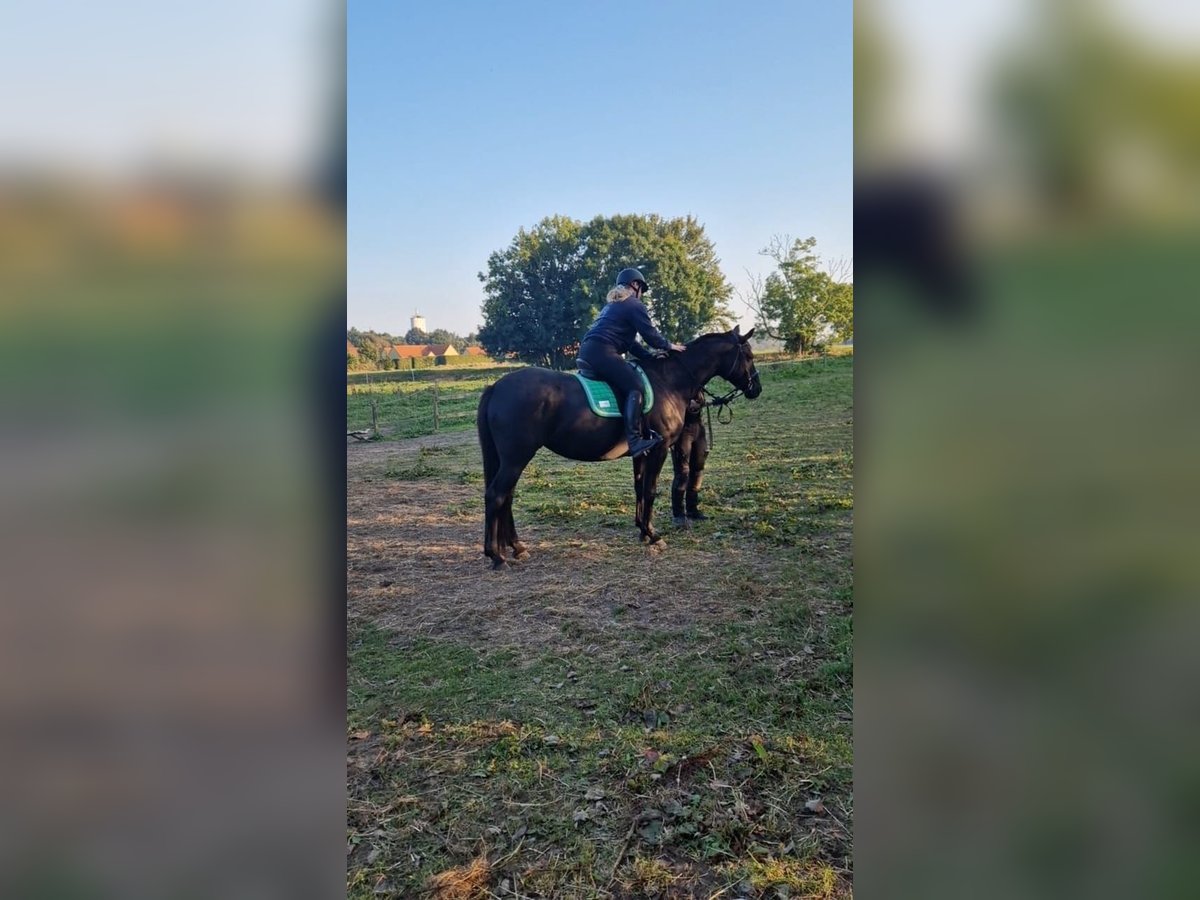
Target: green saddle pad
column 603, row 401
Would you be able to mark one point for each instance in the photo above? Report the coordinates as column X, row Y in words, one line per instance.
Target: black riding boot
column 693, row 506
column 633, row 426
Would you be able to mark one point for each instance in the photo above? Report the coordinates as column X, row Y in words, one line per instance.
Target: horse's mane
column 654, row 364
column 712, row 336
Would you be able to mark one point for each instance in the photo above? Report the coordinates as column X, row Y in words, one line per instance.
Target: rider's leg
column 632, row 409
column 611, row 366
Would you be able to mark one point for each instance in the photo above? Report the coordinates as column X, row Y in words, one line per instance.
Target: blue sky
column 470, row 120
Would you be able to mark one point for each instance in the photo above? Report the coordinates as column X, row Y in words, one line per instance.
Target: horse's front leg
column 654, row 463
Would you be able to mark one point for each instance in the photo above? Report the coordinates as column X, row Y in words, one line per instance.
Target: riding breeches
column 611, row 366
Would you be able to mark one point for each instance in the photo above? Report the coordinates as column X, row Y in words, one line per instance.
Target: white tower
column 418, row 322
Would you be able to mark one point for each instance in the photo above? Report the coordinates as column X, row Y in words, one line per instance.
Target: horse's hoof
column 521, row 555
column 499, row 563
column 657, row 546
column 657, row 538
column 681, row 522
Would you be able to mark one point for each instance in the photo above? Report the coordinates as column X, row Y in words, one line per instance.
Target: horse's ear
column 749, row 334
column 737, row 330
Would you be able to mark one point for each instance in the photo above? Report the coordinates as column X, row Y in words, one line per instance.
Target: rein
column 722, row 403
column 723, row 408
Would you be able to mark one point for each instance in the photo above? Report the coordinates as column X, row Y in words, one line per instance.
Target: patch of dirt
column 363, row 456
column 416, row 567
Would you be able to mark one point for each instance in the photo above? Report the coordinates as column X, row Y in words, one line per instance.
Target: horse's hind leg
column 508, row 532
column 520, row 551
column 491, row 538
column 498, row 512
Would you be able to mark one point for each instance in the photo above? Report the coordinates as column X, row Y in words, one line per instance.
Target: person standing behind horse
column 689, row 454
column 613, row 334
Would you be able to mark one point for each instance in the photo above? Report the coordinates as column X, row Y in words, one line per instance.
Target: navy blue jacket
column 620, row 323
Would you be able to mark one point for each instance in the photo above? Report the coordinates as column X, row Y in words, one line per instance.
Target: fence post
column 374, row 416
column 436, row 423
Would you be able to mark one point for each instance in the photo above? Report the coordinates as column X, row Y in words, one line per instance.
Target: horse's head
column 741, row 372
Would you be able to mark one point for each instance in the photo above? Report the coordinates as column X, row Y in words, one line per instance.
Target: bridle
column 723, row 402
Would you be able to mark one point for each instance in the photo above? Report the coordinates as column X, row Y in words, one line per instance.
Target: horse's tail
column 491, row 456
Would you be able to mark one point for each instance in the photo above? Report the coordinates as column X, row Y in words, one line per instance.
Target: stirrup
column 644, row 445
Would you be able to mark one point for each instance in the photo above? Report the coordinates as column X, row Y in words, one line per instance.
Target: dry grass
column 469, row 882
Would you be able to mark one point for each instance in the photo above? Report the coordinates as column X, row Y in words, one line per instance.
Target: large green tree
column 543, row 291
column 688, row 292
column 802, row 302
column 534, row 304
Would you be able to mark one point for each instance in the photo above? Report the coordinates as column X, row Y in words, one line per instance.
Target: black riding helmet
column 633, row 276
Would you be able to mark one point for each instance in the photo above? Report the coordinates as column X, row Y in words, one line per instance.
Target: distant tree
column 442, row 336
column 366, row 350
column 374, row 346
column 800, row 303
column 376, row 349
column 535, row 304
column 416, row 336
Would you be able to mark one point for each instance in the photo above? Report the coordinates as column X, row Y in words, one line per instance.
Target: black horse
column 533, row 408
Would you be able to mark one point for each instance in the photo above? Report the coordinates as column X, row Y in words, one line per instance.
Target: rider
column 689, row 455
column 613, row 333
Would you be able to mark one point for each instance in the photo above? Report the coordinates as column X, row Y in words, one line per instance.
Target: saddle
column 600, row 394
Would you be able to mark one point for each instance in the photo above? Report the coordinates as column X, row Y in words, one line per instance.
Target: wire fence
column 399, row 409
column 429, row 374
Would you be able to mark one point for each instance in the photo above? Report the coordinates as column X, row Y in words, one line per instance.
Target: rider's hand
column 678, row 348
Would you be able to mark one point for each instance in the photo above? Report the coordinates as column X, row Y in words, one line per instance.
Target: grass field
column 406, row 409
column 607, row 719
column 405, row 401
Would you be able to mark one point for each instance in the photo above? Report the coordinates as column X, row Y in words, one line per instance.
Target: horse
column 533, row 408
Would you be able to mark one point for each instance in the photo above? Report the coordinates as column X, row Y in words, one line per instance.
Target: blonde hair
column 619, row 293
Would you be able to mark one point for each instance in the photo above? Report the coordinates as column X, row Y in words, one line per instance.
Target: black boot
column 693, row 506
column 633, row 426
